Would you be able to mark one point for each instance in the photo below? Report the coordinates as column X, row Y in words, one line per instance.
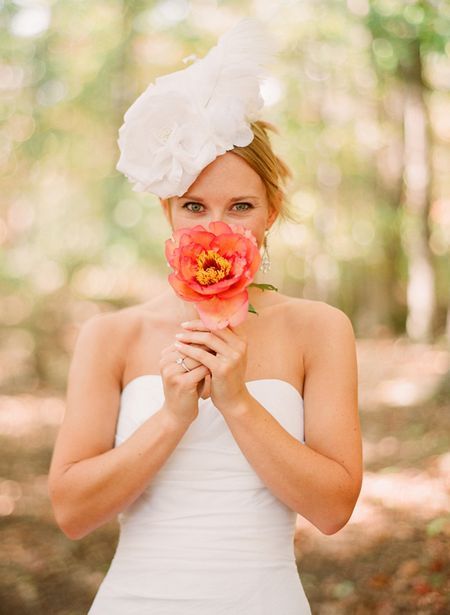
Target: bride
column 208, row 461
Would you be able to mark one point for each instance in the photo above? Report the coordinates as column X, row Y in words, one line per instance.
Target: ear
column 273, row 212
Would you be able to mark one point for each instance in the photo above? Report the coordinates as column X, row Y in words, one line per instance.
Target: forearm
column 317, row 487
column 93, row 491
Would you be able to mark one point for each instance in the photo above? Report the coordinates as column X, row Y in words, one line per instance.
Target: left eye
column 248, row 206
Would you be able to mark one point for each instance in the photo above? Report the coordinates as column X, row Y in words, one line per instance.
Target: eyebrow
column 237, row 198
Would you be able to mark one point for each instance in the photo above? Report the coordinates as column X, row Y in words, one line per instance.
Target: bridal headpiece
column 187, row 118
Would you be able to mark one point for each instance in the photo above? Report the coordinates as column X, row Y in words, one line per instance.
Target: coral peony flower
column 212, row 268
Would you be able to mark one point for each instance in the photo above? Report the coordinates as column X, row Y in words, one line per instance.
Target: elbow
column 333, row 526
column 338, row 518
column 65, row 519
column 330, row 523
column 71, row 530
column 67, row 523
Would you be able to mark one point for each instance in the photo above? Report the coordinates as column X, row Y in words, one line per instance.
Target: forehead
column 225, row 177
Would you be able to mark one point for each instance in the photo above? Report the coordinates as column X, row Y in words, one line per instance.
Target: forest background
column 360, row 93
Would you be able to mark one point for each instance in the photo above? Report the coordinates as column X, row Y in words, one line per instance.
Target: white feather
column 234, row 67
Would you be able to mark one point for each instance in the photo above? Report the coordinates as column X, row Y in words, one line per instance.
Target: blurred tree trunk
column 416, row 199
column 389, row 174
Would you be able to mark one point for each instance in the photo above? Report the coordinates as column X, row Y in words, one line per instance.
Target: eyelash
column 250, row 206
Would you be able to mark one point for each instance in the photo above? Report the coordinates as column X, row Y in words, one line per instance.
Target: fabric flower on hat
column 213, row 268
column 187, row 118
column 176, row 134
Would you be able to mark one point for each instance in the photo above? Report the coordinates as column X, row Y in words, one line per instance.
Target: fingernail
column 178, row 344
column 186, row 323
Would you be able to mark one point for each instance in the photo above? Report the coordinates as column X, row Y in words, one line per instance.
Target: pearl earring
column 265, row 262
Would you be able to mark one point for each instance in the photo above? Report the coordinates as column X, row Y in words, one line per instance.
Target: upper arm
column 331, row 389
column 92, row 395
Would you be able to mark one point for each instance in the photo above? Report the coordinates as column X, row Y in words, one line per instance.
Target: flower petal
column 236, row 289
column 218, row 227
column 204, row 238
column 254, row 259
column 240, row 315
column 183, row 290
column 217, row 313
column 231, row 243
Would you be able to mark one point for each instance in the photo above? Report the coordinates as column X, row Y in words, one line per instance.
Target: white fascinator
column 184, row 120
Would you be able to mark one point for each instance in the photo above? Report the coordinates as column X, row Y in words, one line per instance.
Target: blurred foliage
column 76, row 240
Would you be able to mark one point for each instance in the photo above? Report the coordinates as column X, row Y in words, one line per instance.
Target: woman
column 209, row 460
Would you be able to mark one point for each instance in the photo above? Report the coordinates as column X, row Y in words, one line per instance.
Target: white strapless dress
column 206, row 537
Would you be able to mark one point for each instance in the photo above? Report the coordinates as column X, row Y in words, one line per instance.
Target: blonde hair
column 273, row 171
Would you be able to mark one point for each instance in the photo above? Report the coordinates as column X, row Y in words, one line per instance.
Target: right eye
column 185, row 206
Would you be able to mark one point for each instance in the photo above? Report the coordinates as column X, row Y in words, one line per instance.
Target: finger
column 171, row 353
column 199, row 354
column 228, row 334
column 193, row 376
column 168, row 351
column 172, row 348
column 194, row 325
column 171, row 358
column 197, row 325
column 175, row 370
column 206, row 338
column 196, row 375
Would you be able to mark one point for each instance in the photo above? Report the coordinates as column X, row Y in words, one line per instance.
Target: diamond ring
column 180, row 361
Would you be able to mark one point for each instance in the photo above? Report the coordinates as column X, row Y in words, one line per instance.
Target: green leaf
column 435, row 526
column 437, row 579
column 344, row 589
column 264, row 286
column 252, row 309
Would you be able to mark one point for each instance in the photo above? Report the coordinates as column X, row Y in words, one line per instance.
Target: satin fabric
column 206, row 536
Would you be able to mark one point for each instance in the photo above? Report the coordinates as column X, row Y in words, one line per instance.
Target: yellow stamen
column 211, row 268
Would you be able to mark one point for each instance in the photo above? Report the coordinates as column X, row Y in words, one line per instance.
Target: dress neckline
column 158, row 376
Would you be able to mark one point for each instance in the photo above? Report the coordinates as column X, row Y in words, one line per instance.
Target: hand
column 181, row 388
column 204, row 386
column 227, row 365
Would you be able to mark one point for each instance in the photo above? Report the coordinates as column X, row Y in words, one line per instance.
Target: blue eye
column 185, row 206
column 249, row 206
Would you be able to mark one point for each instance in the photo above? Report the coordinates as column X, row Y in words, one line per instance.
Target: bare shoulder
column 103, row 339
column 318, row 323
column 115, row 327
column 315, row 315
column 96, row 356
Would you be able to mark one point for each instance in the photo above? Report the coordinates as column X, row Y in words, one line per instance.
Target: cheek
column 258, row 232
column 177, row 224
